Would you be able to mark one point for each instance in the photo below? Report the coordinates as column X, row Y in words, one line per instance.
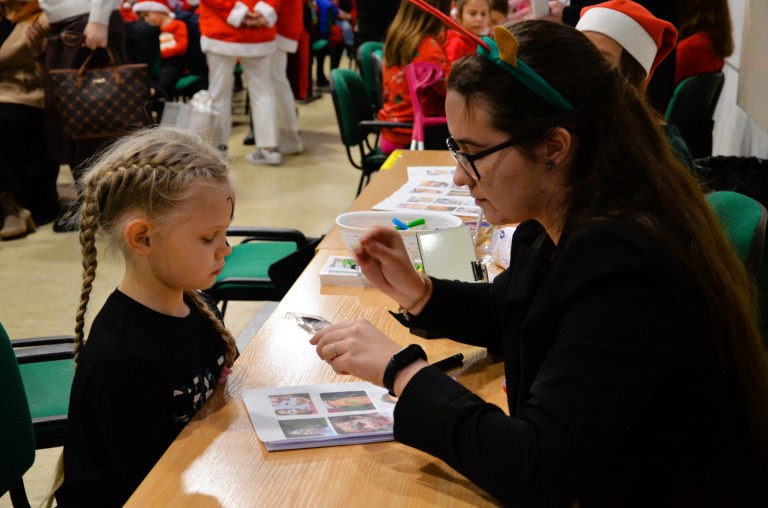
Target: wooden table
column 217, row 460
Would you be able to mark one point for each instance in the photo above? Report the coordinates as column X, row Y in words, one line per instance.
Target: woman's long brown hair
column 624, row 170
column 711, row 17
column 408, row 29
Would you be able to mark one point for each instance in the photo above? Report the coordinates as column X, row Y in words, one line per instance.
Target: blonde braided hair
column 151, row 171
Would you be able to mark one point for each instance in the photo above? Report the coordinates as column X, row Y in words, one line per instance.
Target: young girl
column 474, row 15
column 155, row 351
column 705, row 38
column 413, row 36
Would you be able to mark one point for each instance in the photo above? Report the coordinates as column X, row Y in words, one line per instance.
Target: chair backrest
column 744, row 221
column 691, row 109
column 17, row 438
column 421, row 76
column 350, row 100
column 369, row 56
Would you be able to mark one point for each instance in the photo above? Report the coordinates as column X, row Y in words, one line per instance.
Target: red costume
column 695, row 56
column 457, row 46
column 397, row 97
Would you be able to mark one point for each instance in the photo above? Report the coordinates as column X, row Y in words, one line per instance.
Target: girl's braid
column 230, row 346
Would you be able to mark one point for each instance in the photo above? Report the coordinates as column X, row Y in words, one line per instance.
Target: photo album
column 321, row 415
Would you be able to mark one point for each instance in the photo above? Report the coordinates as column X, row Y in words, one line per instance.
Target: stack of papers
column 431, row 188
column 321, row 415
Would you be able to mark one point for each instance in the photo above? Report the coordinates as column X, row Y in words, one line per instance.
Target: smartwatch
column 400, row 360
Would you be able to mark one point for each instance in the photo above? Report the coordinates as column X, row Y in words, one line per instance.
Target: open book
column 320, row 415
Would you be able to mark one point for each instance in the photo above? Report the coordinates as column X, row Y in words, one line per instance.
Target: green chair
column 691, row 109
column 369, row 54
column 17, row 435
column 356, row 124
column 744, row 221
column 263, row 266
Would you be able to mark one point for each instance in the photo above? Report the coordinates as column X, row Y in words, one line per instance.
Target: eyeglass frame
column 472, row 158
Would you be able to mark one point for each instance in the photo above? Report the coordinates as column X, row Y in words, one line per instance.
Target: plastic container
column 353, row 224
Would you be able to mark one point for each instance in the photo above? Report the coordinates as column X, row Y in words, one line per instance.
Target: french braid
column 230, row 346
column 150, row 171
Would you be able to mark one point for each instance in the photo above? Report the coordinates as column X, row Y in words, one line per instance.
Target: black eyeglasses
column 467, row 161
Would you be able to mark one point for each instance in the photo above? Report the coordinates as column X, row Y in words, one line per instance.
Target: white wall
column 734, row 132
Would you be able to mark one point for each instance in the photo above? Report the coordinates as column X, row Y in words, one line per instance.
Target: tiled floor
column 40, row 275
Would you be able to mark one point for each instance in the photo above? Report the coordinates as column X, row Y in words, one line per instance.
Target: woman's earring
column 551, row 165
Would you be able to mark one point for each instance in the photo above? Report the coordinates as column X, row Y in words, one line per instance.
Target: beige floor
column 40, row 274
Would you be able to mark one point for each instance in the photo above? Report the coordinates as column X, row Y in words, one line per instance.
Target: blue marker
column 399, row 224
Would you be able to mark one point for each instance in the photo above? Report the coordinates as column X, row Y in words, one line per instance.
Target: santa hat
column 647, row 38
column 153, row 6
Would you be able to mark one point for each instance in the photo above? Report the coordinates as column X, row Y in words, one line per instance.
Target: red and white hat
column 153, row 6
column 647, row 38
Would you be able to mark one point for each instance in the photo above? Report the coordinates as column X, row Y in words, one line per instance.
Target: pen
column 399, row 224
column 449, row 363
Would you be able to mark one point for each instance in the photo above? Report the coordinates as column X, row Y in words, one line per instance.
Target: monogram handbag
column 103, row 102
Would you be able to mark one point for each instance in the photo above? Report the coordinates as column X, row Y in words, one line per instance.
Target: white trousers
column 286, row 109
column 221, row 79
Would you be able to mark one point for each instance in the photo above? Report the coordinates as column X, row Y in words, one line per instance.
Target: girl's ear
column 557, row 146
column 137, row 236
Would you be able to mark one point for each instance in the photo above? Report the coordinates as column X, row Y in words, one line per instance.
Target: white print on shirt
column 188, row 399
column 167, row 41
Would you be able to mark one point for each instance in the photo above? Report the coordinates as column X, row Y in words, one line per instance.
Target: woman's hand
column 385, row 262
column 96, row 35
column 357, row 348
column 35, row 38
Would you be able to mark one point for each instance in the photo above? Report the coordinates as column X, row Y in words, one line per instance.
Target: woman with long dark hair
column 634, row 366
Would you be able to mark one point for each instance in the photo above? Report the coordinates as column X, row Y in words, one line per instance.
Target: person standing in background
column 78, row 27
column 27, row 181
column 705, row 38
column 235, row 31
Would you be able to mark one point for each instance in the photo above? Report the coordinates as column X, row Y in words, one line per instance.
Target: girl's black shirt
column 141, row 376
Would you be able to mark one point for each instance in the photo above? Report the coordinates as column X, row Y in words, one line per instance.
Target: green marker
column 417, row 222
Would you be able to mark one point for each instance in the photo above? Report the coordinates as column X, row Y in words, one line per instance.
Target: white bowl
column 353, row 224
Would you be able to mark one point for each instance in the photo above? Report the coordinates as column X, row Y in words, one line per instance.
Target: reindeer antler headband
column 502, row 51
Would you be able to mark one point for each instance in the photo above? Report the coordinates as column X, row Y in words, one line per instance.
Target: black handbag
column 102, row 102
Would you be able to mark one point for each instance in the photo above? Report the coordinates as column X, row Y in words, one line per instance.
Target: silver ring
column 333, row 349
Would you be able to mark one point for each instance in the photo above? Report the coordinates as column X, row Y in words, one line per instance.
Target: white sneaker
column 290, row 146
column 262, row 156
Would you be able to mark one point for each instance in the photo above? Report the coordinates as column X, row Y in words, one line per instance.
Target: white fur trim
column 149, row 6
column 623, row 29
column 238, row 49
column 286, row 45
column 237, row 14
column 267, row 11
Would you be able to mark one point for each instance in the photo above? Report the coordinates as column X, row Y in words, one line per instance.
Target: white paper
column 431, row 188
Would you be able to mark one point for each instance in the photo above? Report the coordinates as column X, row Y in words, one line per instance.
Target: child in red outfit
column 173, row 40
column 414, row 36
column 474, row 15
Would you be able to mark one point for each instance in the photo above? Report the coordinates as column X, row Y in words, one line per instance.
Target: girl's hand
column 357, row 348
column 95, row 35
column 385, row 262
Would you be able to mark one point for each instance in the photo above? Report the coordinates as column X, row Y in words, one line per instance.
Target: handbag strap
column 112, row 63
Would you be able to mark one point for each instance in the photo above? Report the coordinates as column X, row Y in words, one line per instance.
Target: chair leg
column 223, row 308
column 360, row 185
column 19, row 495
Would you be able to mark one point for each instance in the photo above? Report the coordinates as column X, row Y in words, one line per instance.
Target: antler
column 450, row 22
